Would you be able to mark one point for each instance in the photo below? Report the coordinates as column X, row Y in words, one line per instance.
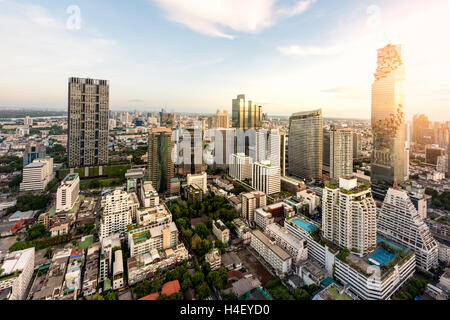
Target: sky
column 197, row 55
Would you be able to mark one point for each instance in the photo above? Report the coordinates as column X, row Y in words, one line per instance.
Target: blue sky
column 197, row 55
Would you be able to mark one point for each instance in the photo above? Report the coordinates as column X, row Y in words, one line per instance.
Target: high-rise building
column 349, row 216
column 305, row 144
column 283, row 147
column 266, row 177
column 422, row 130
column 399, row 221
column 250, row 202
column 119, row 207
column 246, row 114
column 326, row 151
column 433, row 152
column 341, row 153
column 68, row 192
column 388, row 121
column 357, row 145
column 224, row 146
column 160, row 164
column 33, row 150
column 219, row 120
column 88, row 122
column 240, row 167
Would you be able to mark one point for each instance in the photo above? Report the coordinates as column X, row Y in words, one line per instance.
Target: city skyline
column 171, row 62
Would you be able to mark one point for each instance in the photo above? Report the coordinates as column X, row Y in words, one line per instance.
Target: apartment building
column 119, row 207
column 37, row 174
column 68, row 192
column 263, row 218
column 276, row 257
column 144, row 239
column 295, row 248
column 200, row 180
column 88, row 122
column 17, row 271
column 240, row 167
column 250, row 202
column 399, row 221
column 214, row 259
column 221, row 231
column 266, row 177
column 349, row 215
column 149, row 196
column 153, row 216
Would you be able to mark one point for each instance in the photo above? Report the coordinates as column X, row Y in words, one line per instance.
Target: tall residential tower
column 88, row 122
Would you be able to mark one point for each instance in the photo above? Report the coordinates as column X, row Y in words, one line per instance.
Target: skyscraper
column 33, row 150
column 160, row 164
column 88, row 122
column 305, row 144
column 349, row 215
column 398, row 220
column 219, row 120
column 341, row 152
column 388, row 121
column 246, row 114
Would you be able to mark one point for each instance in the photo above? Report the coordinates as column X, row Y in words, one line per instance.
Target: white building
column 240, row 166
column 200, row 180
column 153, row 216
column 17, row 271
column 296, row 248
column 276, row 257
column 310, row 198
column 263, row 218
column 398, row 220
column 149, row 196
column 214, row 259
column 266, row 177
column 250, row 202
column 221, row 231
column 143, row 240
column 37, row 174
column 349, row 215
column 68, row 192
column 118, row 210
column 341, row 153
column 118, row 281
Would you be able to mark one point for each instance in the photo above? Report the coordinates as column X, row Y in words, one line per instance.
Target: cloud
column 216, row 17
column 298, row 51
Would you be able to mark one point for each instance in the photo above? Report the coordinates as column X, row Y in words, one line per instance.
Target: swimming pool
column 382, row 257
column 305, row 225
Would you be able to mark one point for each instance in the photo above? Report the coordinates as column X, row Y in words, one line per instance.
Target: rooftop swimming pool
column 382, row 257
column 305, row 225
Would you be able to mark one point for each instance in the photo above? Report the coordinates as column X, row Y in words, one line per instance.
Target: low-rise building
column 91, row 274
column 16, row 273
column 214, row 259
column 200, row 180
column 231, row 261
column 276, row 257
column 144, row 239
column 144, row 266
column 154, row 216
column 296, row 248
column 149, row 196
column 221, row 231
column 59, row 230
column 67, row 193
column 37, row 174
column 118, row 273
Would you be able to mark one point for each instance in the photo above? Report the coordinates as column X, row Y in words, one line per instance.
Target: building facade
column 388, row 121
column 160, row 164
column 68, row 192
column 398, row 220
column 305, row 144
column 88, row 122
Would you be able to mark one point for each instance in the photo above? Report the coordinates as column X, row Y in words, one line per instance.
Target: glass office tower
column 388, row 121
column 305, row 148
